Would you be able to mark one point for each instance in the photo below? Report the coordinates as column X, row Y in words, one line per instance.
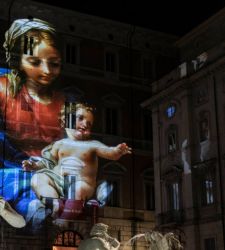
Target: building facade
column 111, row 65
column 188, row 128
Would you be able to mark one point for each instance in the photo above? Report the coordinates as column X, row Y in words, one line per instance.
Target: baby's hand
column 28, row 165
column 124, row 149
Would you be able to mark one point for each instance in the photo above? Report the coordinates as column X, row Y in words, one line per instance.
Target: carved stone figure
column 99, row 239
column 157, row 241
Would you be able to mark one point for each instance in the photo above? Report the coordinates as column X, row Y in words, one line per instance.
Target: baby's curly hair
column 71, row 108
column 86, row 106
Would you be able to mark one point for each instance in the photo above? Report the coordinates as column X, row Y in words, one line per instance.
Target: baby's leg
column 84, row 190
column 43, row 186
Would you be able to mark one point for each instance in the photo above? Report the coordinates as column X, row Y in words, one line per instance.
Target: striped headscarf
column 20, row 27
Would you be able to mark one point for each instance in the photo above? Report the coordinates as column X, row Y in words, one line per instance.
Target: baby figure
column 77, row 156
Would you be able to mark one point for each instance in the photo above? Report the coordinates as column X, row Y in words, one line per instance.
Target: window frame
column 172, row 136
column 208, row 193
column 113, row 127
column 210, row 247
column 74, row 43
column 115, row 175
column 112, row 101
column 173, row 202
column 111, row 73
column 171, row 110
column 63, row 244
column 172, row 175
column 149, row 200
column 204, row 134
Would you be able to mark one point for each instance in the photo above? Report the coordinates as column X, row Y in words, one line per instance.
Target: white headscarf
column 20, row 27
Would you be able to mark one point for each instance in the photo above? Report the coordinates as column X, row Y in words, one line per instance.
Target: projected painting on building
column 49, row 161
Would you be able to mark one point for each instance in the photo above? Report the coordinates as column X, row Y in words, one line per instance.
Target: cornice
column 90, row 27
column 166, row 88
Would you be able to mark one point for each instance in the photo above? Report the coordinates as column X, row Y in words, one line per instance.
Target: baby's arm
column 112, row 153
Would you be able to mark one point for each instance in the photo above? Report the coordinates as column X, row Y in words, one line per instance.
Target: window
column 71, row 53
column 174, row 196
column 67, row 239
column 113, row 173
column 24, row 182
column 113, row 198
column 112, row 105
column 111, row 62
column 210, row 244
column 209, row 191
column 111, row 120
column 70, row 115
column 204, row 129
column 70, row 186
column 28, row 45
column 172, row 141
column 149, row 196
column 201, row 93
column 171, row 110
column 208, row 184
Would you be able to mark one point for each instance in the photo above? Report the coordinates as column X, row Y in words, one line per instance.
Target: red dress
column 30, row 124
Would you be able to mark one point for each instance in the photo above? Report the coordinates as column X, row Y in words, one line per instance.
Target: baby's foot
column 10, row 215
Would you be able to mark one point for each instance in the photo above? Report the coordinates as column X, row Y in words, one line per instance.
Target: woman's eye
column 35, row 62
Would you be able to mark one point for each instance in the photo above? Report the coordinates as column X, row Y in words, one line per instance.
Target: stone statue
column 157, row 241
column 99, row 239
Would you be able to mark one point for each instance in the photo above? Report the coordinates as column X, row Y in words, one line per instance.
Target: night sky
column 176, row 16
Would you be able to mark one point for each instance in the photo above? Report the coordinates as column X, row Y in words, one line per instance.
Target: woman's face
column 43, row 66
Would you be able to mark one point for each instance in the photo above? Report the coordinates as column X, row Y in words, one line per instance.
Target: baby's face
column 84, row 122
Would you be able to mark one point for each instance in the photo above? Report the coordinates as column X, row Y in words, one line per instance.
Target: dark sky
column 171, row 16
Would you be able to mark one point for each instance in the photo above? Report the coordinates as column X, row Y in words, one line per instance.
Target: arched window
column 114, row 173
column 172, row 183
column 206, row 175
column 67, row 240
